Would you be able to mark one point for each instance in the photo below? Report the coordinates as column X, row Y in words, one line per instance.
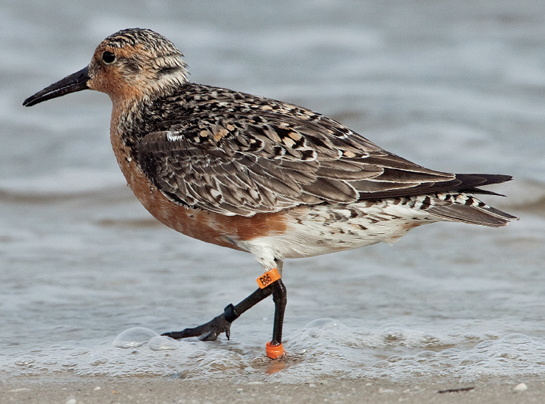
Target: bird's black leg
column 280, row 297
column 222, row 323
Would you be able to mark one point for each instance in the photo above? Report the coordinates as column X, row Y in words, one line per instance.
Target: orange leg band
column 267, row 278
column 275, row 351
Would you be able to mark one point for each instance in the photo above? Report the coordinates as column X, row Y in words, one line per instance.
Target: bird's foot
column 211, row 330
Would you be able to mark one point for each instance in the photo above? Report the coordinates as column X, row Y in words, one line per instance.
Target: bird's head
column 131, row 64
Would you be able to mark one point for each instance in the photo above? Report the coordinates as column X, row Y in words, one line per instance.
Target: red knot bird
column 256, row 174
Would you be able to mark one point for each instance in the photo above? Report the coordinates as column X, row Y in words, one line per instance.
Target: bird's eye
column 108, row 57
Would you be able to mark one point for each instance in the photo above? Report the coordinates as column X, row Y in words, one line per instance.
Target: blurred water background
column 453, row 85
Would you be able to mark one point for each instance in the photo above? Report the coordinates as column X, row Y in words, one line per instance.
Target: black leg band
column 230, row 314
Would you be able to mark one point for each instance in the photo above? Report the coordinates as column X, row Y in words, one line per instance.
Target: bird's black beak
column 70, row 84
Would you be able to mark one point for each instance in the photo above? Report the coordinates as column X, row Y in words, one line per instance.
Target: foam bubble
column 134, row 337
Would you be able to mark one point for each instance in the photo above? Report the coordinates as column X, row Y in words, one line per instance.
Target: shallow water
column 456, row 87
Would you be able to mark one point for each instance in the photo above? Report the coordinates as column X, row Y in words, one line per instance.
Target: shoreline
column 134, row 390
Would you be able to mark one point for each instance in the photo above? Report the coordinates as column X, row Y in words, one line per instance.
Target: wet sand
column 79, row 390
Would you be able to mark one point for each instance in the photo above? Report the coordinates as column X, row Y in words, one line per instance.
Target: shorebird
column 256, row 174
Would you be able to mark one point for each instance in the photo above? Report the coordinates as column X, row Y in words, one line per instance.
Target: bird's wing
column 247, row 162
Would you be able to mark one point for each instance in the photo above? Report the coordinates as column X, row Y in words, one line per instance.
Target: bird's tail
column 461, row 206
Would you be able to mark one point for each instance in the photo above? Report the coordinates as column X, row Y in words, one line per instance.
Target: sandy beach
column 161, row 390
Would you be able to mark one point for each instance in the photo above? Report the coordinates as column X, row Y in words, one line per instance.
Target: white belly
column 324, row 229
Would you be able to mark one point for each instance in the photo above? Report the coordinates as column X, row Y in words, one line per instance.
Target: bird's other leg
column 222, row 323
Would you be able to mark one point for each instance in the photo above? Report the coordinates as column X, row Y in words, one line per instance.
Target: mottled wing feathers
column 237, row 154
